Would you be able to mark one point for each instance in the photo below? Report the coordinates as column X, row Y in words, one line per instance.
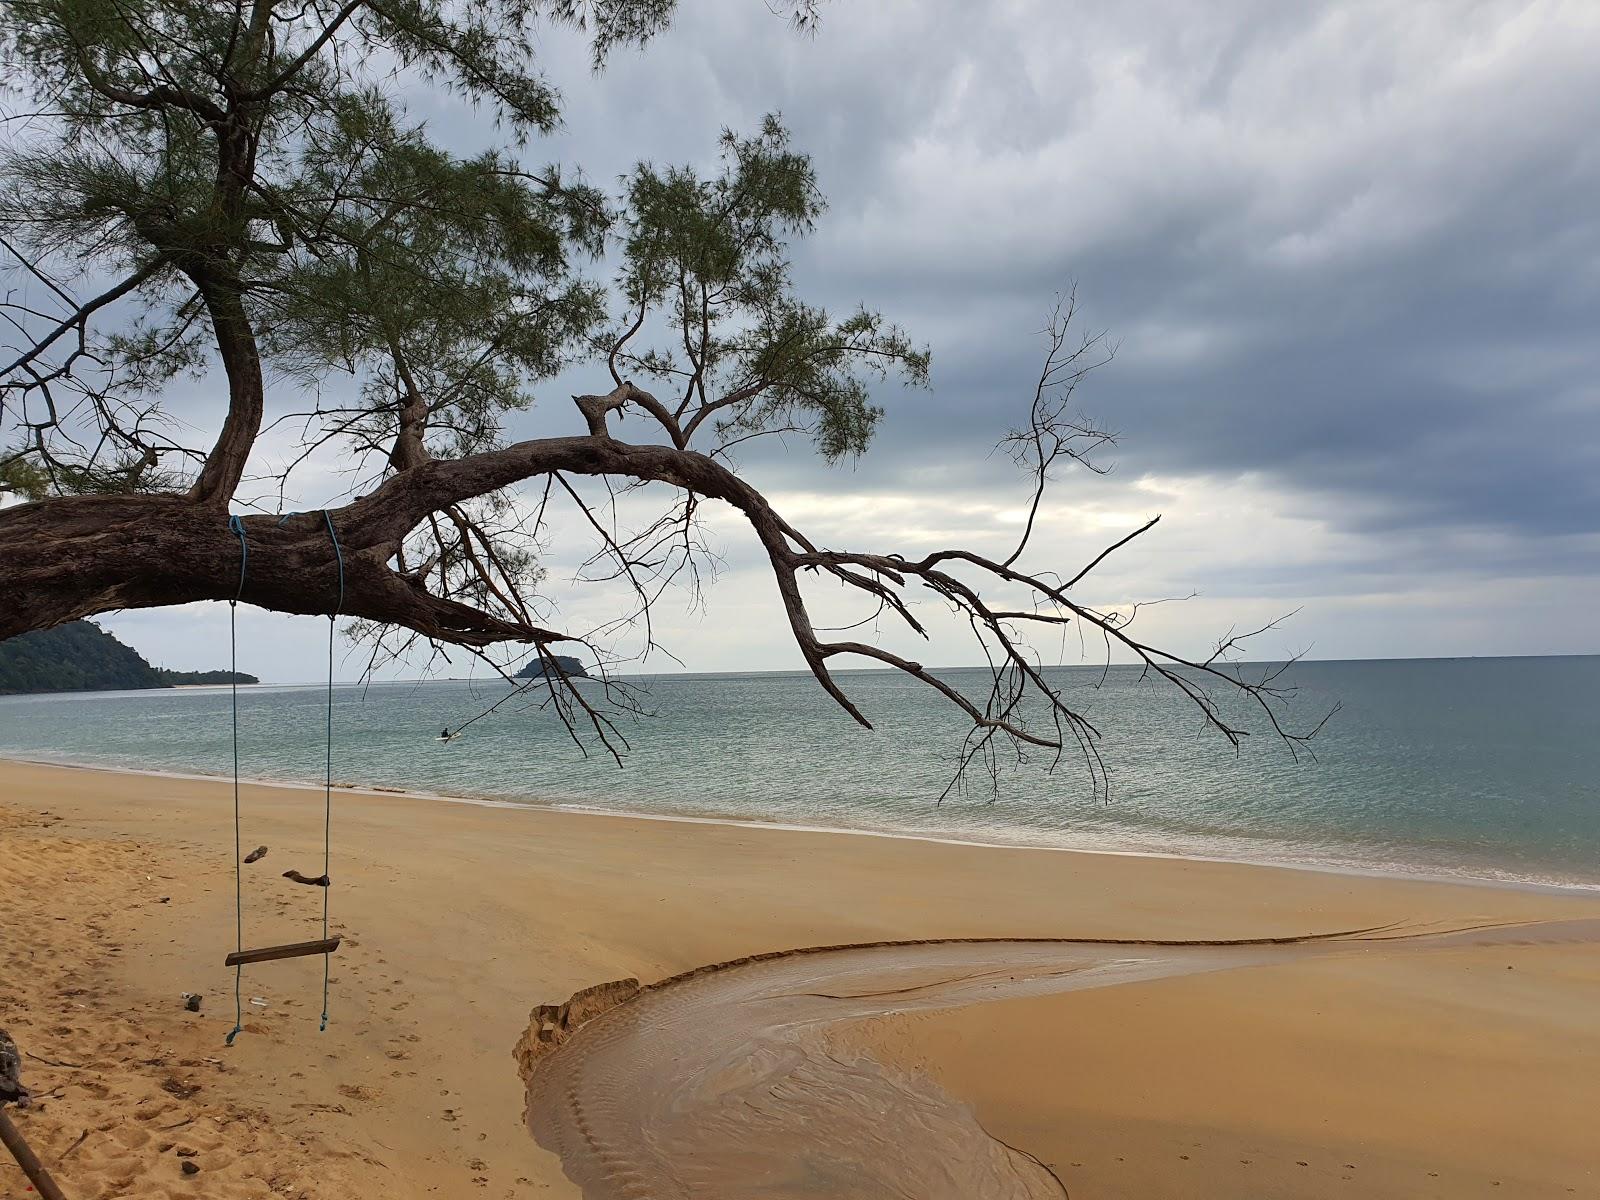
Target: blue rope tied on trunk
column 327, row 789
column 236, row 527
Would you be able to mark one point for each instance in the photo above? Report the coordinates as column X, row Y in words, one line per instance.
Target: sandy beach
column 1458, row 1072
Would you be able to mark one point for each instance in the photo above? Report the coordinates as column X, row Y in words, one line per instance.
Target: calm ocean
column 1482, row 767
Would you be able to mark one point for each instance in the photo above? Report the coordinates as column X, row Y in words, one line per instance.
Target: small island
column 81, row 657
column 538, row 668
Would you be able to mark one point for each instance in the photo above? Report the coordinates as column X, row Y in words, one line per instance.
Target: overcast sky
column 1349, row 255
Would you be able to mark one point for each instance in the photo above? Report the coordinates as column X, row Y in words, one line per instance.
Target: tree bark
column 72, row 557
column 241, row 361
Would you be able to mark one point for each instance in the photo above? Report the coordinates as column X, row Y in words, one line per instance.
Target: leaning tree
column 209, row 193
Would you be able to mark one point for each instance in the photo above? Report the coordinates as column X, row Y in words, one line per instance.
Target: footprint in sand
column 129, row 1137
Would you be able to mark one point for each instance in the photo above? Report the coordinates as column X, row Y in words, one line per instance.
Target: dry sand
column 1466, row 1072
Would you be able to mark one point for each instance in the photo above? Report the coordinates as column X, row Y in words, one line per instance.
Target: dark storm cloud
column 1352, row 249
column 1348, row 251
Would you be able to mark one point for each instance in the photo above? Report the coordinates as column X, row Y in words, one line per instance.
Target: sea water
column 1486, row 767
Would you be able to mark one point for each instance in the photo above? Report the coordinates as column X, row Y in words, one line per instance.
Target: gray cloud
column 1352, row 247
column 1349, row 253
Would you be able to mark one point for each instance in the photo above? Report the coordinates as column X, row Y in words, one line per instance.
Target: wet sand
column 711, row 1082
column 1466, row 1070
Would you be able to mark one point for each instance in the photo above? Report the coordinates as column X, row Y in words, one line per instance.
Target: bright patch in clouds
column 1347, row 254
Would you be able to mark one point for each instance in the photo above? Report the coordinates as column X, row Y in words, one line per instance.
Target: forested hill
column 82, row 657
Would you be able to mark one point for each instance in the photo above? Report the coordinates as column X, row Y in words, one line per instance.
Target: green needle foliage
column 251, row 179
column 709, row 255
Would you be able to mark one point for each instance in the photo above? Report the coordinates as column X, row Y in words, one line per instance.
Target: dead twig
column 50, row 1062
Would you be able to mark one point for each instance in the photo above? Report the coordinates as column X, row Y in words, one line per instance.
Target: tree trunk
column 75, row 556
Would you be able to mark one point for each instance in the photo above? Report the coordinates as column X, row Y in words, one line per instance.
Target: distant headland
column 81, row 657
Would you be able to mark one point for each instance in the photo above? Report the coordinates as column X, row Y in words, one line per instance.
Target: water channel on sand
column 729, row 1081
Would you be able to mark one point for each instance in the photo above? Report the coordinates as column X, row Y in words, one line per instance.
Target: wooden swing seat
column 293, row 950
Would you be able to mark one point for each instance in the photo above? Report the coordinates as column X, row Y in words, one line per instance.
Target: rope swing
column 327, row 777
column 237, row 526
column 327, row 945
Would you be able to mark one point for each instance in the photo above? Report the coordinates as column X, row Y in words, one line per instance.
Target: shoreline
column 1398, row 872
column 1465, row 1073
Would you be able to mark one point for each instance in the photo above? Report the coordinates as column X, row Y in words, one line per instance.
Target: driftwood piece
column 256, row 855
column 312, row 881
